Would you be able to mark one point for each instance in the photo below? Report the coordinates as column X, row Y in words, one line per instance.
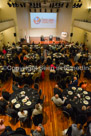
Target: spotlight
column 74, row 5
column 62, row 4
column 14, row 5
column 67, row 5
column 36, row 5
column 21, row 5
column 33, row 5
column 77, row 6
column 24, row 4
column 9, row 4
column 55, row 4
column 50, row 5
column 59, row 4
column 80, row 5
column 44, row 1
column 30, row 4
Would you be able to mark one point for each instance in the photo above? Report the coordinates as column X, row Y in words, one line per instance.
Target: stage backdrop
column 63, row 24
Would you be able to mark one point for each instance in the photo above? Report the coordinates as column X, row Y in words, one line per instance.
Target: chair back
column 36, row 86
column 20, row 131
column 40, row 92
column 66, row 114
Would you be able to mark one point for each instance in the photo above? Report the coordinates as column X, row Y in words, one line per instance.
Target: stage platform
column 37, row 40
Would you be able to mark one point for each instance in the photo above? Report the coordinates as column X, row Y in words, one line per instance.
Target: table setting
column 77, row 97
column 25, row 99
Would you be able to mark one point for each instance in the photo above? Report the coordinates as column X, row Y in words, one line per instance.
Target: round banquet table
column 77, row 98
column 29, row 95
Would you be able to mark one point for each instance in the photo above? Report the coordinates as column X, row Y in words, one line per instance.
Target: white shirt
column 76, row 131
column 57, row 101
column 23, row 115
column 37, row 111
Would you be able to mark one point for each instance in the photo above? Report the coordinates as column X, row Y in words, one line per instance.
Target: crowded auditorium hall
column 45, row 67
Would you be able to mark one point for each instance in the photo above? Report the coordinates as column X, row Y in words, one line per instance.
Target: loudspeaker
column 14, row 34
column 22, row 39
column 71, row 34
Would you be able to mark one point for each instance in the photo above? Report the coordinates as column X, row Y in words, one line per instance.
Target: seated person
column 83, row 85
column 37, row 110
column 5, row 95
column 68, row 108
column 81, row 116
column 75, row 130
column 39, row 131
column 89, row 129
column 2, row 126
column 23, row 114
column 58, row 91
column 37, row 114
column 4, row 129
column 58, row 101
column 11, row 111
column 3, row 103
column 53, row 66
column 89, row 111
column 74, row 82
column 4, row 51
column 42, row 75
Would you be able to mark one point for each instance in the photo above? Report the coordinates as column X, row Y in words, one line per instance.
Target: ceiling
column 43, row 1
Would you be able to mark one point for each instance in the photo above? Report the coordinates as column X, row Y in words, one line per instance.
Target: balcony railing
column 83, row 25
column 5, row 24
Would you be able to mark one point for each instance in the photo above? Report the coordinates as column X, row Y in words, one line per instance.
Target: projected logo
column 37, row 20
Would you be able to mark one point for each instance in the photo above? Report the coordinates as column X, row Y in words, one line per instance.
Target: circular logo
column 37, row 20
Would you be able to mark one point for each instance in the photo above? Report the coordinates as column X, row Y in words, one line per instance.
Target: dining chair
column 37, row 80
column 12, row 118
column 20, row 131
column 23, row 120
column 26, row 86
column 40, row 92
column 36, row 86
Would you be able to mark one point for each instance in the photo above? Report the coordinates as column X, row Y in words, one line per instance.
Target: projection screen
column 43, row 20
